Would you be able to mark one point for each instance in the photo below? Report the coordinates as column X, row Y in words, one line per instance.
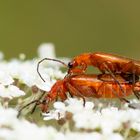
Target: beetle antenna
column 51, row 60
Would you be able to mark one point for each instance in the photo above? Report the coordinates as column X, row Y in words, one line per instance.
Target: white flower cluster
column 109, row 121
column 15, row 129
column 89, row 122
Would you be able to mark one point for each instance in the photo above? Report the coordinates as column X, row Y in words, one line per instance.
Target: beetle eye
column 70, row 64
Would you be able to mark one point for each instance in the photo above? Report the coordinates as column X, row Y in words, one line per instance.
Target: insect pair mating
column 119, row 78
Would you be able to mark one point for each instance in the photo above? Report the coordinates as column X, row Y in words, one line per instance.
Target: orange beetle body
column 89, row 85
column 104, row 62
column 92, row 86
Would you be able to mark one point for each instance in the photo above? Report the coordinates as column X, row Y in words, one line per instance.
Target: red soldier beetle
column 87, row 86
column 104, row 62
column 90, row 85
column 113, row 64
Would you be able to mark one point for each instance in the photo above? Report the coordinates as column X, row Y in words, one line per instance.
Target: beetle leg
column 120, row 98
column 125, row 100
column 70, row 94
column 74, row 91
column 83, row 66
column 137, row 95
column 113, row 76
column 106, row 66
column 62, row 95
column 134, row 105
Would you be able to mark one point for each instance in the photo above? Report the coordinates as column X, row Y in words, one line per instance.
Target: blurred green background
column 74, row 26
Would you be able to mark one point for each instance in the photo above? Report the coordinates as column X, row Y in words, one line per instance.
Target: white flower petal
column 59, row 105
